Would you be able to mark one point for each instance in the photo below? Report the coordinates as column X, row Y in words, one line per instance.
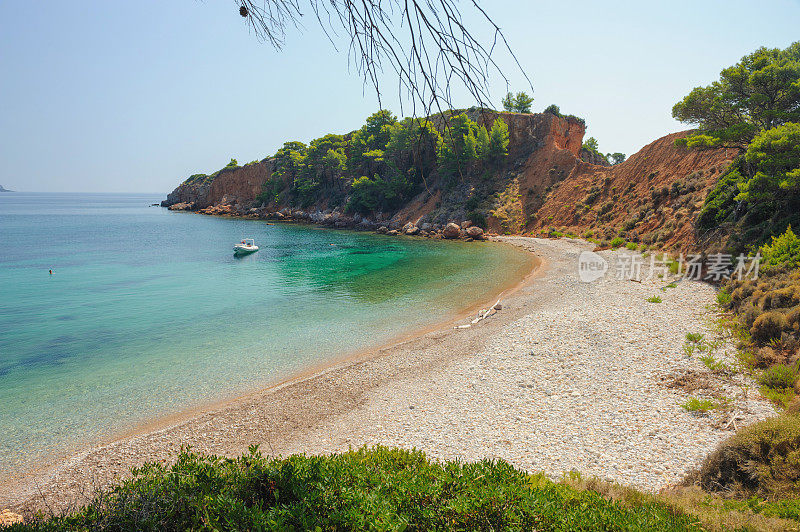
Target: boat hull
column 243, row 250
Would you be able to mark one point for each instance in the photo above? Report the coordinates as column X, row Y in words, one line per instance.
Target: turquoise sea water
column 148, row 313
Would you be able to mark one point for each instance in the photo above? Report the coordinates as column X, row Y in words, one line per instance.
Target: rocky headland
column 548, row 183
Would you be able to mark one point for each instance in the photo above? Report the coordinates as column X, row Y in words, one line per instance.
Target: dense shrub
column 793, row 319
column 377, row 489
column 762, row 459
column 377, row 193
column 768, row 326
column 748, row 315
column 779, row 376
column 784, row 250
column 478, row 218
column 781, row 298
column 592, row 195
column 195, row 178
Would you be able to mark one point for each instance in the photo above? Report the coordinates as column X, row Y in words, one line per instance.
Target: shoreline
column 19, row 491
column 568, row 376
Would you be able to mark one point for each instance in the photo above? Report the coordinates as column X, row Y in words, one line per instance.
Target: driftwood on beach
column 482, row 315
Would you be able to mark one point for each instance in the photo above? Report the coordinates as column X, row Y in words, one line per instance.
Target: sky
column 136, row 95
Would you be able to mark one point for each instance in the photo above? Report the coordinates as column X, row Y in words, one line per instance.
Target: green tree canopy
column 459, row 144
column 591, row 145
column 412, row 148
column 289, row 161
column 373, row 135
column 759, row 92
column 325, row 158
column 760, row 191
column 498, row 142
column 378, row 128
column 483, row 142
column 774, row 155
column 615, row 158
column 519, row 103
column 553, row 109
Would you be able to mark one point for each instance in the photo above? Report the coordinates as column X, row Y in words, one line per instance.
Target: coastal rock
column 228, row 199
column 181, row 206
column 392, row 232
column 425, row 227
column 410, row 229
column 451, row 230
column 465, row 224
column 475, row 232
column 382, row 230
column 219, row 210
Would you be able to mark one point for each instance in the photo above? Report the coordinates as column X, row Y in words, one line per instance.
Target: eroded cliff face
column 240, row 186
column 234, row 187
column 653, row 197
column 546, row 185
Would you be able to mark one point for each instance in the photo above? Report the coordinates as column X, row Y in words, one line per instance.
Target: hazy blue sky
column 133, row 96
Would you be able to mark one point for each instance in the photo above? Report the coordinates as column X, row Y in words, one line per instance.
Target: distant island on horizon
column 4, row 189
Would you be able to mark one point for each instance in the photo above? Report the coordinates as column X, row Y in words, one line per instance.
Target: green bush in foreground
column 760, row 460
column 368, row 489
column 779, row 376
column 784, row 250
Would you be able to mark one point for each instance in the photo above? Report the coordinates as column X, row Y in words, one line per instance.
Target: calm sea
column 148, row 313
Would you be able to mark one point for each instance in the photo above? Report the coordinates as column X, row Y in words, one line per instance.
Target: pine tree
column 483, row 143
column 498, row 142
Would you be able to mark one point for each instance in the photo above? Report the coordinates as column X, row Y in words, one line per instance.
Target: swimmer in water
column 51, row 272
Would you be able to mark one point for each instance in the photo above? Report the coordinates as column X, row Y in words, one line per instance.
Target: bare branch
column 425, row 43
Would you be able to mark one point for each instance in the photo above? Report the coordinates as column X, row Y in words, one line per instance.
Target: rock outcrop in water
column 548, row 183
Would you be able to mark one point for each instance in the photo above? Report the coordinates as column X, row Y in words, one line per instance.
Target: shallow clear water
column 148, row 313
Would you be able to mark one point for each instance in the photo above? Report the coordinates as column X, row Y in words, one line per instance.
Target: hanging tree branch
column 425, row 43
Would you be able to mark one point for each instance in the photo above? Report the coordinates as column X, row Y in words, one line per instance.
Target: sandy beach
column 566, row 376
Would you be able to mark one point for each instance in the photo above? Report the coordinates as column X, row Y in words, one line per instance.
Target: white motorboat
column 246, row 246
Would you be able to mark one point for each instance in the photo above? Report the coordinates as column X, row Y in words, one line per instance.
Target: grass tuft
column 700, row 405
